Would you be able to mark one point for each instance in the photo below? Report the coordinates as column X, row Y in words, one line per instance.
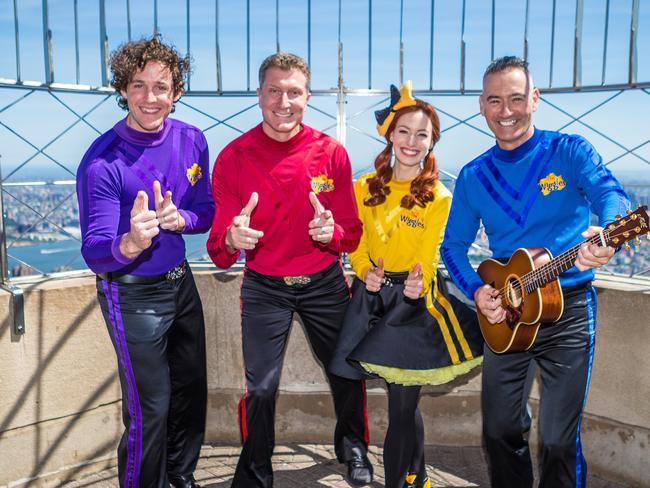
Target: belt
column 391, row 278
column 171, row 275
column 300, row 280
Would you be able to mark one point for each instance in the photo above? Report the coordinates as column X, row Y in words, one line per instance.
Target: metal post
column 17, row 298
column 550, row 71
column 577, row 45
column 605, row 36
column 433, row 10
column 155, row 17
column 47, row 45
column 216, row 45
column 4, row 261
column 309, row 32
column 103, row 42
column 401, row 42
column 187, row 35
column 76, row 39
column 369, row 44
column 277, row 26
column 248, row 45
column 634, row 26
column 17, row 38
column 128, row 19
column 526, row 30
column 493, row 27
column 462, row 50
column 341, row 122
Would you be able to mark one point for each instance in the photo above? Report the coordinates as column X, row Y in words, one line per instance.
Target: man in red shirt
column 283, row 193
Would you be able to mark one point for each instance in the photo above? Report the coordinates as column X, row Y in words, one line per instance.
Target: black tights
column 404, row 443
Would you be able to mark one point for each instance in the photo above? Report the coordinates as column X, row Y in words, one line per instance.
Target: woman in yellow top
column 399, row 325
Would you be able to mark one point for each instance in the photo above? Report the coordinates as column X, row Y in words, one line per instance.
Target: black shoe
column 180, row 481
column 359, row 470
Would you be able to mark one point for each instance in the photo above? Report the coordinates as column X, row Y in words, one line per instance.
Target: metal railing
column 385, row 22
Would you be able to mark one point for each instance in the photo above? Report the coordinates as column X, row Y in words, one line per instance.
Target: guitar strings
column 535, row 278
column 549, row 271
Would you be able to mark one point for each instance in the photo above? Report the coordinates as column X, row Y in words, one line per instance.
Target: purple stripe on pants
column 134, row 440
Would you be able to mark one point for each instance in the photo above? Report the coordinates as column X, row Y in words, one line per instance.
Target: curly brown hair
column 133, row 56
column 421, row 187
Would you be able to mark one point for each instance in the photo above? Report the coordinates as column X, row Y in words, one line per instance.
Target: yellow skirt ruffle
column 412, row 377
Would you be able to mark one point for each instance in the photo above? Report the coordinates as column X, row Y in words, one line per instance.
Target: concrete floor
column 306, row 465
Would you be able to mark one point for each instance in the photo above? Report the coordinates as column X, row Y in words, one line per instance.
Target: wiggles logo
column 411, row 219
column 551, row 183
column 194, row 174
column 322, row 184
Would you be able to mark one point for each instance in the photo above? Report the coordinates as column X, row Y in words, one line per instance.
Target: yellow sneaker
column 410, row 480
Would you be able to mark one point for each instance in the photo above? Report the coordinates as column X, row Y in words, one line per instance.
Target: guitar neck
column 615, row 234
column 559, row 264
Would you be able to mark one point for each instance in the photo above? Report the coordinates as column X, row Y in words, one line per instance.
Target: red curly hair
column 421, row 187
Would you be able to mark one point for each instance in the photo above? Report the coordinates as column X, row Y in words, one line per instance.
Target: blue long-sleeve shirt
column 122, row 162
column 537, row 195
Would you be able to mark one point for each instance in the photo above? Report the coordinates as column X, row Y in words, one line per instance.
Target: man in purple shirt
column 140, row 186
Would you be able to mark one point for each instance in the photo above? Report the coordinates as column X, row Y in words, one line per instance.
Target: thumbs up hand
column 166, row 212
column 240, row 235
column 321, row 227
column 144, row 227
column 375, row 276
column 413, row 284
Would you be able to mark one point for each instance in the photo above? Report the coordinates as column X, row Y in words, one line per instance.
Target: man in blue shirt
column 506, row 189
column 141, row 186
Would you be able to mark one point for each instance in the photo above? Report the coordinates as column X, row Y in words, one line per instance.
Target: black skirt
column 388, row 329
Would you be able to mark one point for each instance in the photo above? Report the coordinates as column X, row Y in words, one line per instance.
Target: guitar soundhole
column 514, row 301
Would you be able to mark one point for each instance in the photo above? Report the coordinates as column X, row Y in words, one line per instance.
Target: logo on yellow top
column 411, row 219
column 552, row 182
column 322, row 183
column 194, row 174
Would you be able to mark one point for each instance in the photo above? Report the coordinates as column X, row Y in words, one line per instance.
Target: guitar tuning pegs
column 627, row 246
column 618, row 217
column 629, row 212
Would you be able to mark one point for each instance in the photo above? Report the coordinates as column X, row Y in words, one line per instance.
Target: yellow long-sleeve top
column 400, row 236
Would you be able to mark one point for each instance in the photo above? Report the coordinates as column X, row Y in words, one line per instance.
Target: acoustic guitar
column 529, row 287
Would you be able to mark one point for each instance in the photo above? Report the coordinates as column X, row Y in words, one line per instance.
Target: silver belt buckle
column 388, row 282
column 177, row 272
column 296, row 280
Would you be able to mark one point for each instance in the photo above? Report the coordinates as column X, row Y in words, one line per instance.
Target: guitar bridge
column 512, row 316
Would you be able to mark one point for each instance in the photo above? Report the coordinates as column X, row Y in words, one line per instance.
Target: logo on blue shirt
column 551, row 183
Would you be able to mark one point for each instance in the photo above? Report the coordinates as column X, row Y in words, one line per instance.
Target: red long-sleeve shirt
column 283, row 174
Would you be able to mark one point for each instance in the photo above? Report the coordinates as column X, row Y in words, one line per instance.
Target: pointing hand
column 374, row 277
column 166, row 212
column 321, row 227
column 144, row 227
column 413, row 284
column 240, row 235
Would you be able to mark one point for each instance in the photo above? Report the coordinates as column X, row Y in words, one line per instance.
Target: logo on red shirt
column 322, row 183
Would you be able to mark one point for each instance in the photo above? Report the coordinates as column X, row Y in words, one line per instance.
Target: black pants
column 268, row 305
column 404, row 443
column 159, row 337
column 563, row 353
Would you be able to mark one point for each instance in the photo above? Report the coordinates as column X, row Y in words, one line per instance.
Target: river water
column 49, row 256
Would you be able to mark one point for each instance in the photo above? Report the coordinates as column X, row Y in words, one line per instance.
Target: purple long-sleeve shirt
column 122, row 162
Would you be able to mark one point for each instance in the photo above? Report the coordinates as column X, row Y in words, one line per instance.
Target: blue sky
column 38, row 118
